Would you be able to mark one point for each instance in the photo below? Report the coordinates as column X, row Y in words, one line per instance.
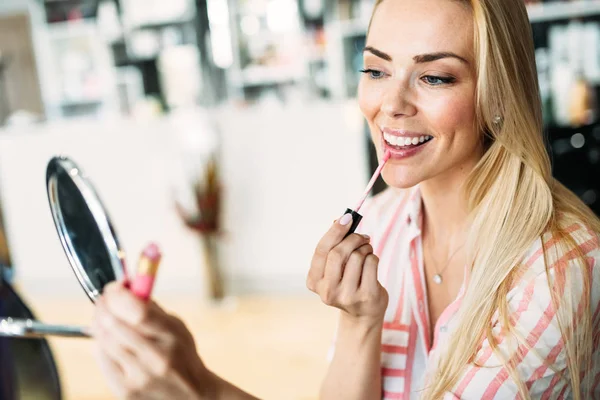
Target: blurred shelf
column 544, row 12
column 164, row 24
column 72, row 29
column 134, row 60
column 265, row 76
column 82, row 102
column 541, row 12
column 60, row 10
column 560, row 132
column 350, row 27
column 93, row 3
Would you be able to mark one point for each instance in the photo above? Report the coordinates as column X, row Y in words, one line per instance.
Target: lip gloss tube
column 356, row 217
column 143, row 283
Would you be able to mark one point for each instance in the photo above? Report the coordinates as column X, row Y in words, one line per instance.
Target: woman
column 479, row 278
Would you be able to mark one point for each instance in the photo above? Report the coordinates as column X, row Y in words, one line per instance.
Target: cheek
column 369, row 99
column 450, row 114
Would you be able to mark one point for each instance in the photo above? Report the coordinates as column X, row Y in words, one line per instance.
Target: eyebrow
column 419, row 59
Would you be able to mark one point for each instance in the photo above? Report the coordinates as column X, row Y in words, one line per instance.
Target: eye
column 437, row 80
column 373, row 73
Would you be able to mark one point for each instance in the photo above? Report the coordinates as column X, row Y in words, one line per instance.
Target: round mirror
column 84, row 228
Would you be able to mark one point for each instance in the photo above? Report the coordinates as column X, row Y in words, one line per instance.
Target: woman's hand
column 145, row 352
column 343, row 273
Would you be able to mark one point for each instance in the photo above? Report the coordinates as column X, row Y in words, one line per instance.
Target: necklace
column 438, row 278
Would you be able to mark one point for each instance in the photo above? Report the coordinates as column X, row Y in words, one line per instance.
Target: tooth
column 395, row 140
column 415, row 140
column 422, row 139
column 386, row 137
column 400, row 141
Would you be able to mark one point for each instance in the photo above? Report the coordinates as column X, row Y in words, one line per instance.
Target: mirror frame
column 116, row 253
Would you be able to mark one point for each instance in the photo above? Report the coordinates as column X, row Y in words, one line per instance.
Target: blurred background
column 228, row 132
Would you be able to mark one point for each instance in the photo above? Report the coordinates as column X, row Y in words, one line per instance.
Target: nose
column 398, row 100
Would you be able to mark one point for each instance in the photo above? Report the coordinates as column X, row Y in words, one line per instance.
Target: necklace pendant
column 437, row 278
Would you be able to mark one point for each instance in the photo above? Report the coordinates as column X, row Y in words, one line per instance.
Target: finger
column 120, row 357
column 335, row 234
column 111, row 370
column 124, row 304
column 159, row 324
column 369, row 274
column 354, row 268
column 332, row 238
column 148, row 318
column 125, row 341
column 339, row 256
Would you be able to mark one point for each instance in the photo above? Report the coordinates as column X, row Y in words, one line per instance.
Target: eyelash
column 370, row 72
column 445, row 81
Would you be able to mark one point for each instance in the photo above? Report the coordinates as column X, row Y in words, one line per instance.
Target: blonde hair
column 515, row 201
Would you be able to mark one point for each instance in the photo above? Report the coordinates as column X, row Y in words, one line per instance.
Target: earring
column 497, row 119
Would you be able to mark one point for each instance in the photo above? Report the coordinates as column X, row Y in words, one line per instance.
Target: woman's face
column 418, row 86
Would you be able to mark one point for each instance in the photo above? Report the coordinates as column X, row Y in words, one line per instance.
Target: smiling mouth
column 405, row 143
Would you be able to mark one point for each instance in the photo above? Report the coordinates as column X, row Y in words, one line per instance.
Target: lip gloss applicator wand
column 356, row 217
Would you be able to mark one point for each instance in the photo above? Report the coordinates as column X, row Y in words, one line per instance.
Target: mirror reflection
column 82, row 232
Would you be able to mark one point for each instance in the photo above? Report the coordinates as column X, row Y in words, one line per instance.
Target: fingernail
column 367, row 237
column 346, row 219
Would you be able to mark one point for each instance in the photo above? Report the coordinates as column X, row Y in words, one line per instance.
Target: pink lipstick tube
column 143, row 283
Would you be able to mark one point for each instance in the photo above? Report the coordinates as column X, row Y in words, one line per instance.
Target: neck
column 445, row 211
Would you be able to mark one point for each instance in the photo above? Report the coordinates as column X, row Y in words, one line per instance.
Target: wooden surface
column 273, row 347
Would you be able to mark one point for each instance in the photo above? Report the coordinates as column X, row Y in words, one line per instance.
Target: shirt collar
column 414, row 215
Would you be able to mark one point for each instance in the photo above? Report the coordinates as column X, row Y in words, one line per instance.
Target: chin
column 399, row 179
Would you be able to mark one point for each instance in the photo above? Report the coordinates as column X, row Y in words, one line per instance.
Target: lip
column 398, row 154
column 402, row 132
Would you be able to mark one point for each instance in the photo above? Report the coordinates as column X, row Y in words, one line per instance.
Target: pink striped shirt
column 393, row 220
